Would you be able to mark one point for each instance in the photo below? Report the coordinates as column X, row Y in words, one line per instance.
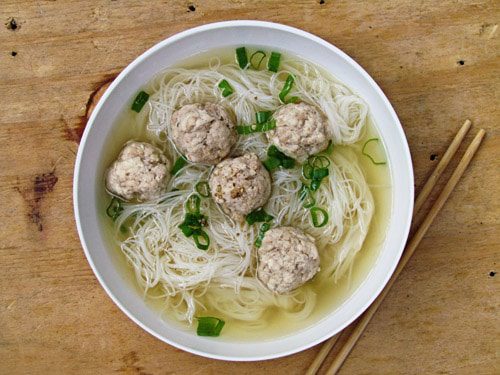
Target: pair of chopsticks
column 362, row 322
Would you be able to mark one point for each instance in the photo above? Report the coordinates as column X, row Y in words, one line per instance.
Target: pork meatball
column 240, row 185
column 140, row 172
column 203, row 133
column 301, row 130
column 287, row 259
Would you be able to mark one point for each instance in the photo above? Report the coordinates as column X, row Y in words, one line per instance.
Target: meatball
column 301, row 130
column 287, row 259
column 240, row 185
column 203, row 133
column 140, row 172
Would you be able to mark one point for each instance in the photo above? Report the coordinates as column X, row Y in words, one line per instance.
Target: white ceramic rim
column 404, row 224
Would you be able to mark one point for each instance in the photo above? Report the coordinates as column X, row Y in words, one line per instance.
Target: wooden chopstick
column 410, row 249
column 422, row 196
column 443, row 163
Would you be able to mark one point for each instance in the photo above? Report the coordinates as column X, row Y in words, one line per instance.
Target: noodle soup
column 184, row 282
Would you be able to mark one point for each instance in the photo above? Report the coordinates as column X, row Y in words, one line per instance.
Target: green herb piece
column 192, row 223
column 276, row 159
column 329, row 148
column 209, row 326
column 257, row 58
column 319, row 161
column 319, row 217
column 287, row 87
column 368, row 155
column 306, row 196
column 273, row 63
column 256, row 128
column 271, row 163
column 262, row 232
column 258, row 216
column 241, row 57
column 307, row 171
column 193, row 204
column 203, row 189
column 201, row 239
column 320, row 173
column 114, row 208
column 139, row 101
column 225, row 88
column 178, row 165
column 262, row 117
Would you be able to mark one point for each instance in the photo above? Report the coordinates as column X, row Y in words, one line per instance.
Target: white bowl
column 181, row 46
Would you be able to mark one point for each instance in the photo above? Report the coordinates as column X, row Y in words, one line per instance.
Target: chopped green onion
column 319, row 161
column 114, row 208
column 259, row 215
column 315, row 184
column 209, row 326
column 201, row 239
column 329, row 149
column 225, row 88
column 320, row 173
column 276, row 158
column 262, row 232
column 241, row 57
column 286, row 89
column 193, row 204
column 307, row 171
column 271, row 163
column 319, row 217
column 273, row 63
column 192, row 223
column 255, row 56
column 256, row 128
column 139, row 101
column 262, row 117
column 368, row 155
column 306, row 196
column 178, row 165
column 203, row 189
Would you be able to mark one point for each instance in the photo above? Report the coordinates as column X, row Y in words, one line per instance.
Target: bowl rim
column 203, row 28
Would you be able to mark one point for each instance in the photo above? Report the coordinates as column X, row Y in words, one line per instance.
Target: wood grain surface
column 438, row 63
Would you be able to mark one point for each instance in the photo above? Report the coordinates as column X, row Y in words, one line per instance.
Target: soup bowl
column 103, row 260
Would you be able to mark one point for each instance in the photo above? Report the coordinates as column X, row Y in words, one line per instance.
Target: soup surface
column 356, row 194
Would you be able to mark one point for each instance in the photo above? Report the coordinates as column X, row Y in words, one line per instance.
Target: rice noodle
column 168, row 265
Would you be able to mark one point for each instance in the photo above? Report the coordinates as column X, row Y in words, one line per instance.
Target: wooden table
column 438, row 63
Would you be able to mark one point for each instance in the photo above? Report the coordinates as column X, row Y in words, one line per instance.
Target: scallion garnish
column 271, row 163
column 139, row 101
column 193, row 204
column 178, row 165
column 262, row 232
column 319, row 217
column 225, row 88
column 257, row 58
column 262, row 117
column 329, row 149
column 319, row 161
column 241, row 57
column 368, row 155
column 209, row 326
column 114, row 208
column 258, row 216
column 256, row 128
column 286, row 89
column 192, row 223
column 273, row 63
column 201, row 239
column 203, row 189
column 306, row 196
column 276, row 158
